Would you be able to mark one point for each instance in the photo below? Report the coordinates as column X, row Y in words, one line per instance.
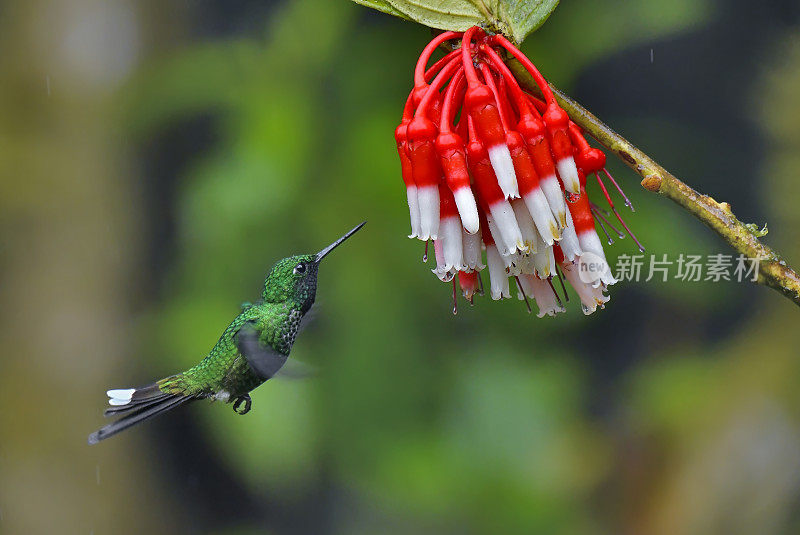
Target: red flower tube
column 468, row 282
column 491, row 195
column 498, row 278
column 498, row 178
column 400, row 136
column 449, row 241
column 480, row 105
column 537, row 209
column 425, row 165
column 532, row 129
column 555, row 119
column 450, row 147
column 589, row 240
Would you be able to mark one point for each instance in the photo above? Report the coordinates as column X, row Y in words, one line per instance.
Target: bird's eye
column 300, row 268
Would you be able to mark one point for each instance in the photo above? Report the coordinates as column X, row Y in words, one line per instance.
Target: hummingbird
column 250, row 351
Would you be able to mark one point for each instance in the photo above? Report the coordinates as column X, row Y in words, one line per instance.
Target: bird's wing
column 295, row 369
column 263, row 360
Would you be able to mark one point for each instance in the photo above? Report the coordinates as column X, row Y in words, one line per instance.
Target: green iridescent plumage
column 251, row 349
column 276, row 319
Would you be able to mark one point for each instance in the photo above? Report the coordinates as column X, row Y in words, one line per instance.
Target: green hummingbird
column 251, row 350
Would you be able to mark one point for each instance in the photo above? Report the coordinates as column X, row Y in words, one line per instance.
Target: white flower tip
column 505, row 222
column 472, row 250
column 592, row 251
column 562, row 218
column 573, row 186
column 471, row 226
column 555, row 234
column 413, row 210
column 545, row 297
column 452, row 250
column 600, row 301
column 569, row 175
column 591, row 294
column 527, row 225
column 467, row 209
column 503, row 167
column 569, row 246
column 425, row 237
column 555, row 198
column 428, row 198
column 444, row 273
column 498, row 280
column 550, row 311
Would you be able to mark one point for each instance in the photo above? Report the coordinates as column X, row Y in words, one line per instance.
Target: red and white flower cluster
column 488, row 166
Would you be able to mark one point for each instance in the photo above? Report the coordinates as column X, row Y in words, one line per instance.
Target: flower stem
column 773, row 271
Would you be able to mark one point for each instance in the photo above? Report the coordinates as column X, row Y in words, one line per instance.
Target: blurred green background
column 159, row 156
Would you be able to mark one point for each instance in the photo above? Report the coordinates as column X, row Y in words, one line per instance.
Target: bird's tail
column 136, row 405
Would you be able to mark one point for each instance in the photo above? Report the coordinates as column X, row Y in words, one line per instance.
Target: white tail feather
column 120, row 396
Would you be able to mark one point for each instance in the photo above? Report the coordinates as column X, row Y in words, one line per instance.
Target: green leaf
column 456, row 15
column 514, row 18
column 522, row 17
column 382, row 5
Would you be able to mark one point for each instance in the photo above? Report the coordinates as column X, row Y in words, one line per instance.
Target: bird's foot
column 238, row 403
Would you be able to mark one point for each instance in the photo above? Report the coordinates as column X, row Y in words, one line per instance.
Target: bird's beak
column 337, row 243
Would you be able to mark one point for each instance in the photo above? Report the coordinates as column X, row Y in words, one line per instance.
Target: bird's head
column 295, row 278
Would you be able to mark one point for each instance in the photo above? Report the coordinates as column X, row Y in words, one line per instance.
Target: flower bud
column 450, row 148
column 490, row 193
column 480, row 104
column 534, row 198
column 426, row 172
column 408, row 178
